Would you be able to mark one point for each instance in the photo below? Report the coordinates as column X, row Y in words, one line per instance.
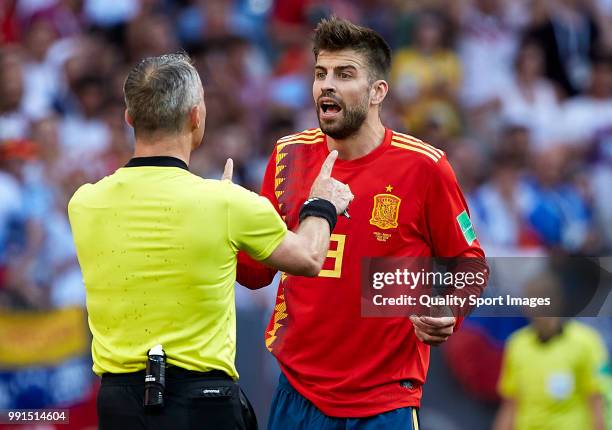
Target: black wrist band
column 320, row 208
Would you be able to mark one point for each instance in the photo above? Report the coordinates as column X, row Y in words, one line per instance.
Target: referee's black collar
column 157, row 160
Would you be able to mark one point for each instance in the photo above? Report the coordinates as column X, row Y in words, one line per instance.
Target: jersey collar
column 351, row 164
column 158, row 161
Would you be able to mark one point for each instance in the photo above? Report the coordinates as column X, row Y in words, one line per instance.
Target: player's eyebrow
column 338, row 68
column 343, row 68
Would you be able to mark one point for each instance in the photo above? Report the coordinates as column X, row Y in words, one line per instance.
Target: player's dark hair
column 335, row 34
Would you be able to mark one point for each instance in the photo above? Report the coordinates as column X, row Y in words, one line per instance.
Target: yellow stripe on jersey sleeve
column 417, row 142
column 307, row 133
column 281, row 145
column 415, row 149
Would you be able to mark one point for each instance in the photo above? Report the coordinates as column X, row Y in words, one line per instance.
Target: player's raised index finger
column 328, row 164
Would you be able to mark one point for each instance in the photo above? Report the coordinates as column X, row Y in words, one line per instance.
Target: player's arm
column 595, row 357
column 508, row 386
column 303, row 253
column 450, row 235
column 596, row 403
column 504, row 420
column 251, row 273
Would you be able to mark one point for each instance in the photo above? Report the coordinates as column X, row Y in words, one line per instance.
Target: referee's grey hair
column 160, row 91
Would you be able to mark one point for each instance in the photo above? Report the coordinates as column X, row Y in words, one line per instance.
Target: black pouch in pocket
column 215, row 405
column 216, row 392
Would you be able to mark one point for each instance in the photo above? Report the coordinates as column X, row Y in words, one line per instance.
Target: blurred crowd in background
column 518, row 93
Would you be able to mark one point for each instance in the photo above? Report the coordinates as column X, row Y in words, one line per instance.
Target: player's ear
column 378, row 92
column 128, row 119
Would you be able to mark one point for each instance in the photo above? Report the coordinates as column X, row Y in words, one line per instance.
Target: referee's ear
column 197, row 116
column 128, row 118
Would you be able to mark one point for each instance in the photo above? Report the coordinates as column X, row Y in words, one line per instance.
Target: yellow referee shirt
column 552, row 381
column 157, row 247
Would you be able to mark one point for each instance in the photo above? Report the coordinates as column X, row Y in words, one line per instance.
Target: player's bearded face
column 341, row 91
column 339, row 120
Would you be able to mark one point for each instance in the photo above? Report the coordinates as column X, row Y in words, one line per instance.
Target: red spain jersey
column 407, row 203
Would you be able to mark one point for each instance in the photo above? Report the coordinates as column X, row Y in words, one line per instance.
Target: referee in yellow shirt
column 157, row 247
column 551, row 377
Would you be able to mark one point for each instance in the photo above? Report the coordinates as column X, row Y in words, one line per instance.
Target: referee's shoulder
column 90, row 190
column 81, row 194
column 230, row 189
column 582, row 333
column 306, row 137
column 408, row 146
column 520, row 338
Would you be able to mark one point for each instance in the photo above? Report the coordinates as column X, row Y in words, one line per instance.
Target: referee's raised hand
column 228, row 171
column 328, row 188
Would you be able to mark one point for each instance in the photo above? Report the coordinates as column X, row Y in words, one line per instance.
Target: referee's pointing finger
column 328, row 164
column 228, row 172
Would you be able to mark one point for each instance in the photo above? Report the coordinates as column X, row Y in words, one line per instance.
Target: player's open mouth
column 329, row 109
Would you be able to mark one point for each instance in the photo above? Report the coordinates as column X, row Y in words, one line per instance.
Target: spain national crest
column 385, row 211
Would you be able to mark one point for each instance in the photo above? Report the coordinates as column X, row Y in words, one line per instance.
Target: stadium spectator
column 24, row 229
column 501, row 206
column 559, row 213
column 570, row 38
column 600, row 179
column 531, row 99
column 40, row 77
column 486, row 43
column 426, row 77
column 589, row 113
column 83, row 133
column 14, row 123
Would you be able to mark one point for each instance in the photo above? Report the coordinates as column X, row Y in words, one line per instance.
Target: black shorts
column 192, row 400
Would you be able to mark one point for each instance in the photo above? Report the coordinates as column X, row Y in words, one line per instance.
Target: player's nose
column 328, row 86
column 328, row 92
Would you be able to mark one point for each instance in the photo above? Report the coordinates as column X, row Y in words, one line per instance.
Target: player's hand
column 328, row 188
column 433, row 330
column 228, row 171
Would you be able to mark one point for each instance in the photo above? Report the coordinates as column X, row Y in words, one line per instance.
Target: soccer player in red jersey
column 339, row 369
